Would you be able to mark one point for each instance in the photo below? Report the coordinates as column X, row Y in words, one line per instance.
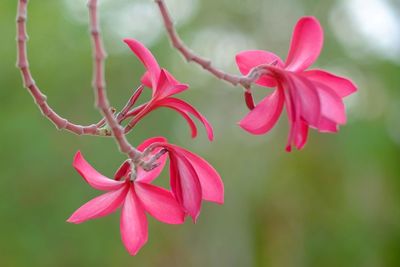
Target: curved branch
column 29, row 83
column 190, row 56
column 99, row 86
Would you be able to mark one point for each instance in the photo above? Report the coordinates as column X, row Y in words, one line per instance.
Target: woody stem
column 99, row 85
column 40, row 99
column 243, row 80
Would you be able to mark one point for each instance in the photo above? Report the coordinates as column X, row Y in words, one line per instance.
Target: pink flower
column 313, row 98
column 192, row 179
column 135, row 197
column 164, row 86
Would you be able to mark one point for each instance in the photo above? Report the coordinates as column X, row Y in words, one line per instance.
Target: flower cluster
column 192, row 179
column 313, row 98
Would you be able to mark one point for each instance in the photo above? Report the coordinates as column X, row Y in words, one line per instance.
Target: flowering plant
column 313, row 99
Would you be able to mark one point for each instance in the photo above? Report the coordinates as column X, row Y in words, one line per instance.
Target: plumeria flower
column 192, row 179
column 163, row 86
column 136, row 198
column 313, row 98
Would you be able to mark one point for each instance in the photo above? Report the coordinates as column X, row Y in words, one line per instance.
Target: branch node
column 62, row 124
column 21, row 18
column 29, row 83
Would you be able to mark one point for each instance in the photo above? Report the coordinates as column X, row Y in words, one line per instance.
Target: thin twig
column 245, row 81
column 99, row 85
column 29, row 83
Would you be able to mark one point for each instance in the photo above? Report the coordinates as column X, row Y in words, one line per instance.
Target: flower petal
column 332, row 106
column 146, row 143
column 327, row 126
column 185, row 184
column 146, row 79
column 133, row 225
column 292, row 115
column 301, row 134
column 100, row 206
column 307, row 102
column 247, row 60
column 299, row 94
column 340, row 85
column 160, row 203
column 167, row 85
column 92, row 177
column 146, row 57
column 212, row 187
column 306, row 44
column 265, row 115
column 184, row 107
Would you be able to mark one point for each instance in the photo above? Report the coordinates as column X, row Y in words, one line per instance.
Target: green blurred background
column 336, row 203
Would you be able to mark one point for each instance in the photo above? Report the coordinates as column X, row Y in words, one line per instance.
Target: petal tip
column 73, row 220
column 127, row 40
column 247, row 127
column 77, row 158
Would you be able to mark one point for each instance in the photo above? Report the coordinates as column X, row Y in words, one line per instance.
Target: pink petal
column 327, row 126
column 306, row 98
column 341, row 86
column 146, row 79
column 291, row 112
column 184, row 107
column 167, row 85
column 265, row 115
column 185, row 184
column 146, row 57
column 148, row 176
column 212, row 187
column 332, row 106
column 160, row 203
column 306, row 44
column 100, row 206
column 298, row 126
column 247, row 60
column 92, row 177
column 171, row 79
column 133, row 225
column 301, row 134
column 146, row 143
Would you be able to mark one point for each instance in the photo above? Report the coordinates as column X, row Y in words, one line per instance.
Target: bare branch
column 29, row 83
column 190, row 56
column 99, row 85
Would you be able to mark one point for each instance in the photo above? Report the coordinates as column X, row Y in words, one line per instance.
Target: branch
column 190, row 56
column 99, row 85
column 29, row 83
